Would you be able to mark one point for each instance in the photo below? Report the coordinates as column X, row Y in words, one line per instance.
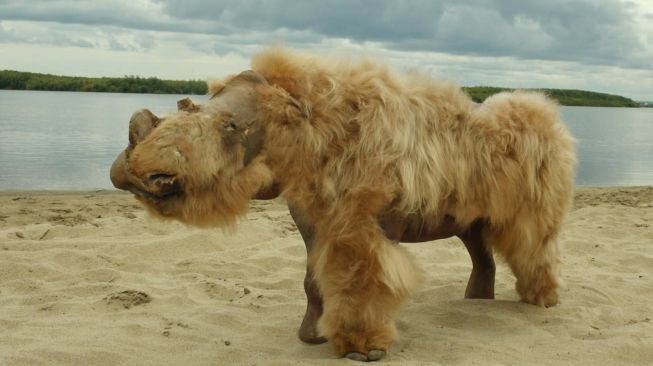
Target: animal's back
column 425, row 138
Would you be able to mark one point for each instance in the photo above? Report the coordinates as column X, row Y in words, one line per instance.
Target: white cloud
column 604, row 45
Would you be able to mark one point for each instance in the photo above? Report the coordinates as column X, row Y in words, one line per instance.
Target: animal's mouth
column 154, row 187
column 154, row 196
column 158, row 187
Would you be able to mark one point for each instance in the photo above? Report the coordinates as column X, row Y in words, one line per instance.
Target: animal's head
column 204, row 163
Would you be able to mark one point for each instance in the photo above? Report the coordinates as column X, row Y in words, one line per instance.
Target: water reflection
column 615, row 145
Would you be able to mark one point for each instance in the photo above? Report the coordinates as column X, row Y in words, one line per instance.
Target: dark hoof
column 356, row 356
column 375, row 355
column 308, row 331
column 312, row 339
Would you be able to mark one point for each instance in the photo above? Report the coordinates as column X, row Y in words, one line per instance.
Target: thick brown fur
column 373, row 139
column 349, row 140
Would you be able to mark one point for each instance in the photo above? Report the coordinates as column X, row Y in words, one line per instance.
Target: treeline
column 571, row 97
column 18, row 80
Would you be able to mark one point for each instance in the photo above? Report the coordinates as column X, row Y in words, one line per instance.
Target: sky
column 599, row 45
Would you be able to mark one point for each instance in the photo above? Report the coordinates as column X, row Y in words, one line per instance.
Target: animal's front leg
column 308, row 330
column 363, row 278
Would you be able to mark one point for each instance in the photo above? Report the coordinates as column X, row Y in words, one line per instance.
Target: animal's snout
column 119, row 177
column 141, row 124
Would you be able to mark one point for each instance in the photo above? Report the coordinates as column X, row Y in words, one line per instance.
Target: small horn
column 187, row 105
column 141, row 124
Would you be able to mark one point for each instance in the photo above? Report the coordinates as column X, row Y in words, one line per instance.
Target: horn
column 187, row 105
column 141, row 124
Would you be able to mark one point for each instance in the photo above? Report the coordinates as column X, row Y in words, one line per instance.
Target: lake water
column 68, row 140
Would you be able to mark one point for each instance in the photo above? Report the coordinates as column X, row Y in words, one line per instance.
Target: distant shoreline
column 566, row 97
column 18, row 80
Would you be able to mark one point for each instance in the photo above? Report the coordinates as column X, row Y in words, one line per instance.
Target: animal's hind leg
column 481, row 280
column 308, row 330
column 538, row 278
column 535, row 260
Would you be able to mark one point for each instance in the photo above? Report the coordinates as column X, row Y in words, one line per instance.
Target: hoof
column 356, row 356
column 480, row 286
column 312, row 339
column 546, row 297
column 308, row 330
column 373, row 355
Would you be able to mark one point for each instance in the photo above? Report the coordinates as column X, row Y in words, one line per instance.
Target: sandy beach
column 88, row 278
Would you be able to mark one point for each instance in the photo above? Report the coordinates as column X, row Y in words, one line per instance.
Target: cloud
column 7, row 34
column 128, row 14
column 359, row 20
column 36, row 34
column 137, row 15
column 604, row 45
column 596, row 32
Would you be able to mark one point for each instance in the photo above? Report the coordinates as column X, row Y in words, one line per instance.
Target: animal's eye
column 230, row 125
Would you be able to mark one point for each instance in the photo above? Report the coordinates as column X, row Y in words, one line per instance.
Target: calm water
column 61, row 140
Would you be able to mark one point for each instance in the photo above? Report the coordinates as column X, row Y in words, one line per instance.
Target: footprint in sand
column 170, row 325
column 67, row 220
column 127, row 298
column 60, row 210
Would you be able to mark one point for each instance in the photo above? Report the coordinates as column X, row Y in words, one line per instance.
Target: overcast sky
column 600, row 45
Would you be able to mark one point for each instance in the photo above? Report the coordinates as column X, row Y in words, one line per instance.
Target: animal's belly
column 416, row 229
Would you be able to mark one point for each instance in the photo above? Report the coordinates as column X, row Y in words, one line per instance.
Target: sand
column 87, row 278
